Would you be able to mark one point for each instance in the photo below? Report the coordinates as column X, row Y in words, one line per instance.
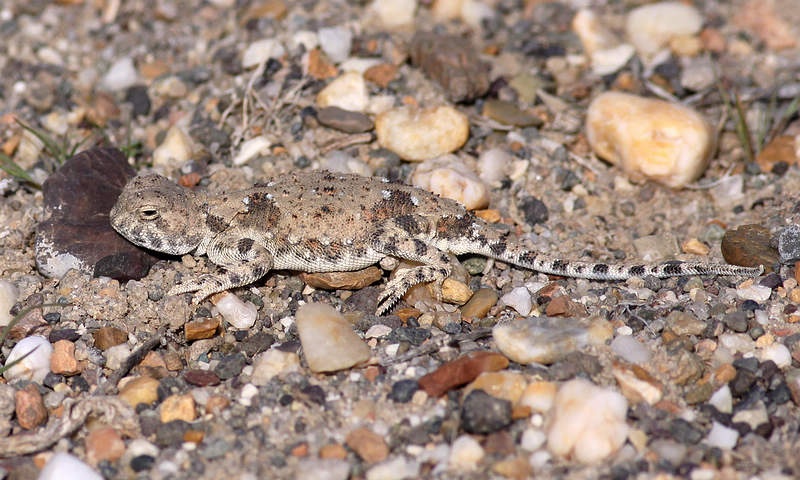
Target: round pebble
column 348, row 92
column 8, row 297
column 649, row 138
column 450, row 178
column 722, row 437
column 421, row 134
column 336, row 42
column 251, row 149
column 465, row 453
column 329, row 342
column 789, row 243
column 63, row 466
column 539, row 340
column 606, row 53
column 241, row 315
column 395, row 13
column 492, row 165
column 36, row 365
column 120, row 76
column 651, row 27
column 174, row 151
column 778, row 353
column 397, row 468
column 272, row 363
column 519, row 299
column 588, row 422
column 483, row 413
column 630, row 349
column 260, row 51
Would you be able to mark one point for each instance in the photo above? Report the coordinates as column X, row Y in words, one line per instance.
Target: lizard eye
column 148, row 213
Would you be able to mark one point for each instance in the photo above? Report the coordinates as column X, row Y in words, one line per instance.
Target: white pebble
column 651, row 27
column 474, row 12
column 63, row 466
column 248, row 392
column 778, row 353
column 336, row 42
column 630, row 349
column 421, row 134
column 588, row 422
column 175, row 150
column 449, row 177
column 116, row 355
column 722, row 437
column 35, row 366
column 649, row 138
column 9, row 293
column 378, row 331
column 305, row 38
column 395, row 13
column 737, row 342
column 609, row 60
column 465, row 453
column 260, row 51
column 539, row 340
column 397, row 468
column 606, row 53
column 120, row 76
column 342, row 162
column 722, row 399
column 251, row 149
column 493, row 164
column 348, row 92
column 757, row 293
column 532, row 439
column 311, row 468
column 273, row 363
column 328, row 340
column 519, row 299
column 241, row 315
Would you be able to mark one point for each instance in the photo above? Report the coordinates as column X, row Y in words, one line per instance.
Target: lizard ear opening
column 148, row 213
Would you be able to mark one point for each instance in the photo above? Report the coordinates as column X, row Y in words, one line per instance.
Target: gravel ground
column 701, row 375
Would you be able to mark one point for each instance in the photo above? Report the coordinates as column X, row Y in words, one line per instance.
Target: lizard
column 320, row 221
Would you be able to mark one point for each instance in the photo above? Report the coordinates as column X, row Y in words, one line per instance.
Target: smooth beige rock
column 348, row 92
column 448, row 177
column 605, row 51
column 651, row 27
column 178, row 407
column 650, row 139
column 175, row 150
column 395, row 13
column 329, row 342
column 421, row 134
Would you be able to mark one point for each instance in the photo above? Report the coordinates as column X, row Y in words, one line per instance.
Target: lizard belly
column 308, row 261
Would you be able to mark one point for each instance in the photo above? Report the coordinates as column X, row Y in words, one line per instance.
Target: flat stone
column 452, row 63
column 178, row 407
column 539, row 340
column 480, row 303
column 504, row 384
column 421, row 134
column 139, row 390
column 789, row 243
column 30, row 408
column 344, row 120
column 104, row 444
column 63, row 361
column 201, row 378
column 107, row 337
column 343, row 280
column 508, row 113
column 201, row 329
column 368, row 445
column 461, row 371
column 749, row 246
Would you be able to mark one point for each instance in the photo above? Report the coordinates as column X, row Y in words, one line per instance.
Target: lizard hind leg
column 408, row 238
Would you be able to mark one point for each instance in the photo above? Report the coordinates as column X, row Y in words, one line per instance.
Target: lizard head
column 154, row 213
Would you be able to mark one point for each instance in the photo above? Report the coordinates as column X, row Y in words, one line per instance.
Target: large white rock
column 650, row 139
column 329, row 342
column 588, row 422
column 64, row 466
column 651, row 27
column 348, row 92
column 449, row 177
column 36, row 365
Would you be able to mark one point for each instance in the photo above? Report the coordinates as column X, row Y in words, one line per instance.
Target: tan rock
column 329, row 342
column 29, row 407
column 107, row 337
column 343, row 280
column 368, row 445
column 455, row 292
column 63, row 361
column 461, row 371
column 480, row 303
column 104, row 443
column 139, row 390
column 650, row 139
column 178, row 407
column 348, row 92
column 421, row 134
column 201, row 329
column 504, row 384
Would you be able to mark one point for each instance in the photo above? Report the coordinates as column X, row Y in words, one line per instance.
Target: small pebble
column 649, row 138
column 651, row 27
column 492, row 165
column 272, row 363
column 348, row 92
column 539, row 396
column 200, row 329
column 403, row 391
column 139, row 390
column 539, row 340
column 367, row 444
column 395, row 13
column 63, row 466
column 482, row 413
column 107, row 337
column 422, row 134
column 104, row 443
column 630, row 349
column 62, row 360
column 344, row 120
column 397, row 468
column 336, row 42
column 519, row 299
column 34, row 366
column 637, row 385
column 8, row 297
column 606, row 53
column 588, row 422
column 174, row 151
column 750, row 291
column 465, row 454
column 532, row 439
column 260, row 51
column 116, row 355
column 722, row 437
column 461, row 371
column 29, row 407
column 480, row 303
column 251, row 149
column 329, row 342
column 505, row 385
column 778, row 353
column 120, row 76
column 749, row 246
column 507, row 113
column 450, row 178
column 178, row 407
column 241, row 315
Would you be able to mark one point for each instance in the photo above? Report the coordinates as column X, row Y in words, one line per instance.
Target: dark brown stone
column 749, row 246
column 453, row 63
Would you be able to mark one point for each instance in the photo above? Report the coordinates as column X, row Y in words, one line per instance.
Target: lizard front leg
column 408, row 237
column 243, row 259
